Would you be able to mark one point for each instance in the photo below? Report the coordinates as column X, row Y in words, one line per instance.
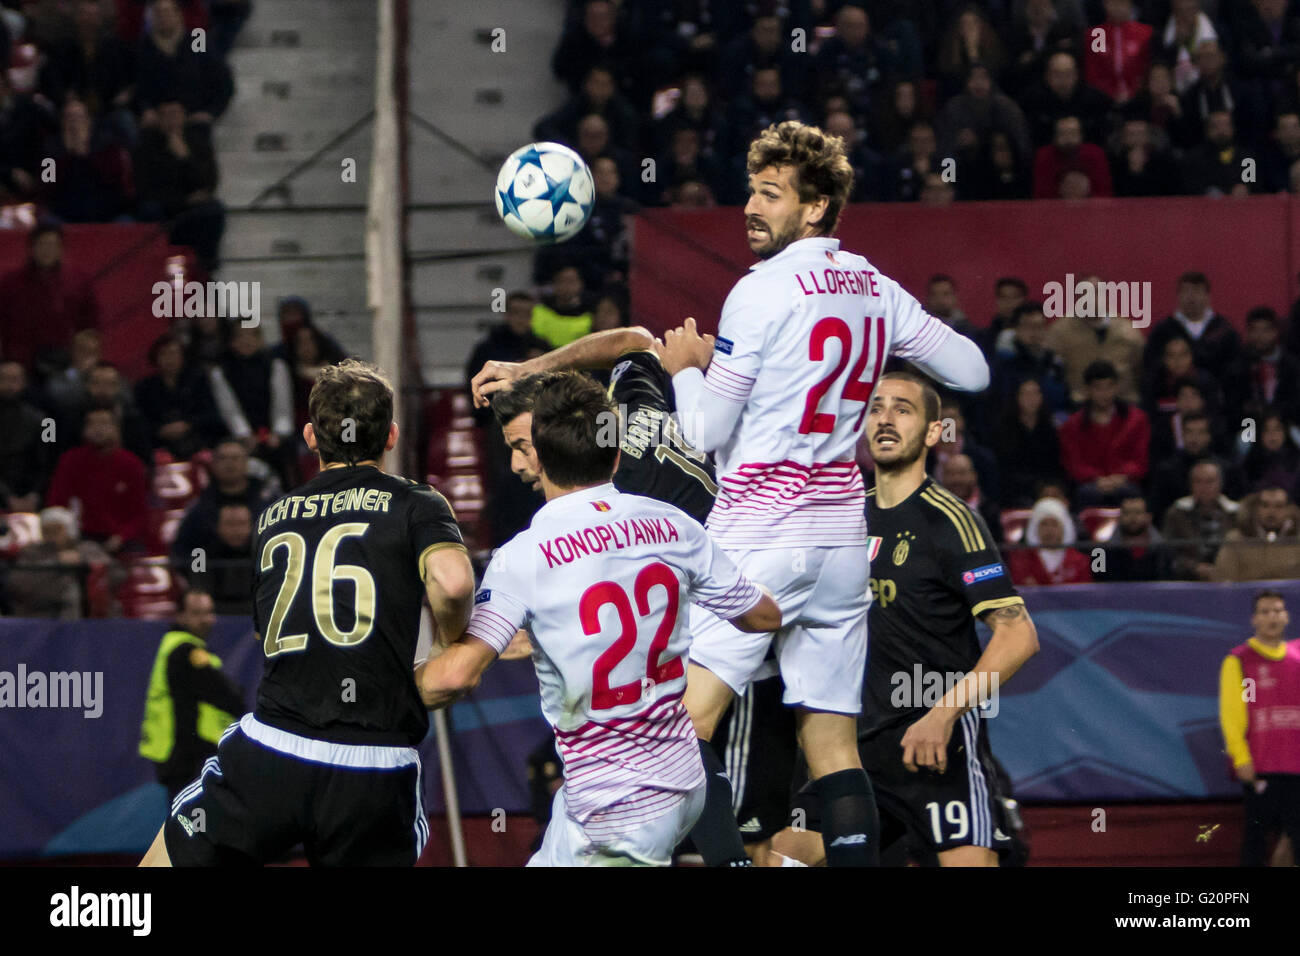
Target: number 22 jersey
column 603, row 581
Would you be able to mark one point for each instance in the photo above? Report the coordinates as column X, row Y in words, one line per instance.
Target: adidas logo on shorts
column 185, row 824
column 752, row 825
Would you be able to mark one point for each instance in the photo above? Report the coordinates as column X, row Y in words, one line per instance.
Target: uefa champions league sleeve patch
column 723, row 345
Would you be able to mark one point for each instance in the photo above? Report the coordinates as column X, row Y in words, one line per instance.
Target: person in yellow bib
column 565, row 315
column 190, row 701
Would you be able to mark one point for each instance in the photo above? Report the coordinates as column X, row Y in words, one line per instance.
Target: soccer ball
column 545, row 192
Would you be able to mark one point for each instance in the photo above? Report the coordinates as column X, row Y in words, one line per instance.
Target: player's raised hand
column 925, row 744
column 685, row 348
column 492, row 378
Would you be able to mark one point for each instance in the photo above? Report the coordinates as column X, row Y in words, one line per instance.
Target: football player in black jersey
column 929, row 689
column 756, row 738
column 341, row 567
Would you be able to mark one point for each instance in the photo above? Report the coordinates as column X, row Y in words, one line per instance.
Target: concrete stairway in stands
column 304, row 73
column 487, row 103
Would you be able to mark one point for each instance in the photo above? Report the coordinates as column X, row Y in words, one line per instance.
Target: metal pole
column 450, row 798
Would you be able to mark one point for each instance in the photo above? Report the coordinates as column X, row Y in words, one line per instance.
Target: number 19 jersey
column 603, row 582
column 801, row 343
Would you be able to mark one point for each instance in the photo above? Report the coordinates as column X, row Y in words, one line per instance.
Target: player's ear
column 392, row 437
column 933, row 432
column 309, row 436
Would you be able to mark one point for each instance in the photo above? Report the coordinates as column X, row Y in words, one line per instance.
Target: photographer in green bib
column 190, row 702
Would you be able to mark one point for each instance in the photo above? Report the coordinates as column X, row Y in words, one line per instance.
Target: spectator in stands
column 1038, row 34
column 294, row 313
column 870, row 176
column 1216, row 346
column 1141, row 163
column 1280, row 154
column 913, row 163
column 1265, row 545
column 1273, row 459
column 26, row 457
column 1260, row 735
column 1216, row 91
column 231, row 483
column 853, row 63
column 941, row 301
column 511, row 340
column 695, row 110
column 1268, row 45
column 596, row 36
column 1161, row 390
column 956, row 440
column 969, row 42
column 43, row 303
column 1009, row 292
column 957, row 474
column 966, row 121
column 49, row 577
column 24, row 126
column 1117, row 66
column 1069, row 153
column 132, row 15
column 1104, row 444
column 1049, row 559
column 104, row 388
column 64, row 390
column 176, row 172
column 565, row 315
column 225, row 567
column 169, row 69
column 1196, row 524
column 1267, row 376
column 254, row 395
column 1080, row 341
column 1000, row 174
column 601, row 249
column 1060, row 94
column 311, row 351
column 93, row 181
column 599, row 96
column 207, row 340
column 1186, row 28
column 1219, row 166
column 762, row 105
column 593, row 142
column 1158, row 103
column 1171, row 476
column 176, row 402
column 1028, row 450
column 892, row 116
column 766, row 46
column 96, row 67
column 110, row 483
column 1024, row 355
column 1136, row 551
column 937, row 190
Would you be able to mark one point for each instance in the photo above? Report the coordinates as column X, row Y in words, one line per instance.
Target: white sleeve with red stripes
column 709, row 406
column 919, row 337
column 718, row 584
column 497, row 613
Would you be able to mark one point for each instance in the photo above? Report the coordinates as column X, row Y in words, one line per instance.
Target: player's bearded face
column 523, row 458
column 774, row 217
column 895, row 440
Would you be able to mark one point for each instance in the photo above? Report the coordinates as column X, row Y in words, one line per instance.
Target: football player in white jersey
column 603, row 582
column 801, row 342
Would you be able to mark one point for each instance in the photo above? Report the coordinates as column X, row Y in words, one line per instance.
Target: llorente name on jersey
column 838, row 282
column 311, row 506
column 607, row 537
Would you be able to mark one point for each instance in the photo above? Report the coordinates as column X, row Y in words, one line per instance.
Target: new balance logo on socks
column 853, row 839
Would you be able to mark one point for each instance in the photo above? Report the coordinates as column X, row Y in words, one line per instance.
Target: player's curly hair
column 820, row 162
column 351, row 410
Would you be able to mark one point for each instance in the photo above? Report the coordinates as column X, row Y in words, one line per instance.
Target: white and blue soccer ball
column 545, row 192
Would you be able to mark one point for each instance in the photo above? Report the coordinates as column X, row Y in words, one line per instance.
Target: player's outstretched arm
column 449, row 583
column 762, row 617
column 957, row 363
column 1014, row 641
column 598, row 350
column 454, row 673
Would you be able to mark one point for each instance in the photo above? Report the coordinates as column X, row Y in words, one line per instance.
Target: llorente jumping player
column 780, row 397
